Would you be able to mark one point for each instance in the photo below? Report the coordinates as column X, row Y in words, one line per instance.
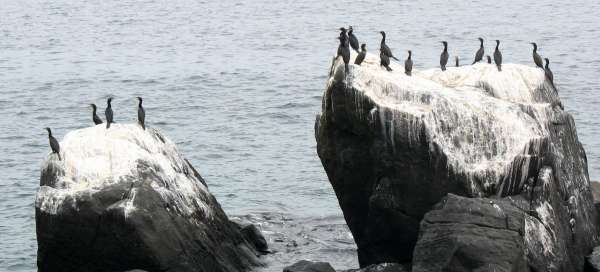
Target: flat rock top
column 96, row 157
column 480, row 117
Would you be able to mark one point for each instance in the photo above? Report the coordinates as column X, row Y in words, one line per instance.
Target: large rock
column 125, row 198
column 393, row 146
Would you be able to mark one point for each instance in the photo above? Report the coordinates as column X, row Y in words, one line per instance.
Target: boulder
column 394, row 145
column 309, row 266
column 124, row 198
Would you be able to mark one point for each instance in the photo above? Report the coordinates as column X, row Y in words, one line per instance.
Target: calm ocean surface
column 237, row 84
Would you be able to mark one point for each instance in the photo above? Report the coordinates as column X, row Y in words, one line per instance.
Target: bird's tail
column 474, row 62
column 394, row 58
column 443, row 68
column 408, row 73
column 143, row 126
column 499, row 67
column 357, row 51
column 107, row 125
column 388, row 68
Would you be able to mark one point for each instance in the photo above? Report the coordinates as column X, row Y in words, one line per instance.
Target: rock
column 592, row 261
column 393, row 146
column 472, row 234
column 125, row 199
column 308, row 266
column 253, row 234
column 384, row 267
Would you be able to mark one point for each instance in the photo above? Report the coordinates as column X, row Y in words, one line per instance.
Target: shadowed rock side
column 393, row 146
column 126, row 199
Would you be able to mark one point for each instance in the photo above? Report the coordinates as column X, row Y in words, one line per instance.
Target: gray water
column 237, row 84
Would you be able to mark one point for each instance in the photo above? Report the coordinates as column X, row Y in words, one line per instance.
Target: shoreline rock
column 393, row 146
column 124, row 199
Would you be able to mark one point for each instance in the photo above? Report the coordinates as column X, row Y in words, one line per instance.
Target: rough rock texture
column 592, row 262
column 308, row 266
column 384, row 267
column 393, row 146
column 124, row 199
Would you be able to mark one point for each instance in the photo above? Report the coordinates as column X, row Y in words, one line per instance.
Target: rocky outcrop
column 308, row 266
column 125, row 198
column 393, row 146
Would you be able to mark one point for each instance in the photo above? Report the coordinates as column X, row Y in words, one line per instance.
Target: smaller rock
column 383, row 267
column 592, row 261
column 308, row 266
column 253, row 234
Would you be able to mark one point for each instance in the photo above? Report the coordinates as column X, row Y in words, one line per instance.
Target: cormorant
column 343, row 40
column 536, row 57
column 109, row 113
column 141, row 114
column 384, row 48
column 361, row 56
column 95, row 117
column 444, row 56
column 456, row 61
column 384, row 61
column 498, row 56
column 353, row 40
column 54, row 144
column 549, row 73
column 344, row 51
column 489, row 59
column 408, row 63
column 479, row 54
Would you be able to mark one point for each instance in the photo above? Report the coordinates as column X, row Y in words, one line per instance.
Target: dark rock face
column 308, row 266
column 393, row 146
column 151, row 211
column 253, row 234
column 472, row 234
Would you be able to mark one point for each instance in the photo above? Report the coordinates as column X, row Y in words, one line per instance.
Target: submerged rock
column 125, row 198
column 393, row 146
column 308, row 266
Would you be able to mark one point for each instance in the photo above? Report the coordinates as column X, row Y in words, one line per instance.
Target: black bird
column 95, row 117
column 498, row 56
column 141, row 114
column 384, row 61
column 54, row 144
column 343, row 40
column 384, row 48
column 548, row 73
column 456, row 61
column 536, row 57
column 109, row 113
column 444, row 56
column 479, row 54
column 489, row 59
column 408, row 63
column 361, row 56
column 353, row 40
column 344, row 51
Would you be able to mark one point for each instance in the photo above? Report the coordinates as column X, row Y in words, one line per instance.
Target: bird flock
column 348, row 39
column 109, row 120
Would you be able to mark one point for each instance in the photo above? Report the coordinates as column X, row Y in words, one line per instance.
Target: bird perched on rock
column 489, row 59
column 384, row 60
column 343, row 40
column 444, row 56
column 344, row 52
column 548, row 72
column 408, row 64
column 498, row 56
column 53, row 144
column 141, row 114
column 109, row 113
column 95, row 117
column 536, row 57
column 456, row 61
column 361, row 56
column 480, row 51
column 353, row 40
column 384, row 48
